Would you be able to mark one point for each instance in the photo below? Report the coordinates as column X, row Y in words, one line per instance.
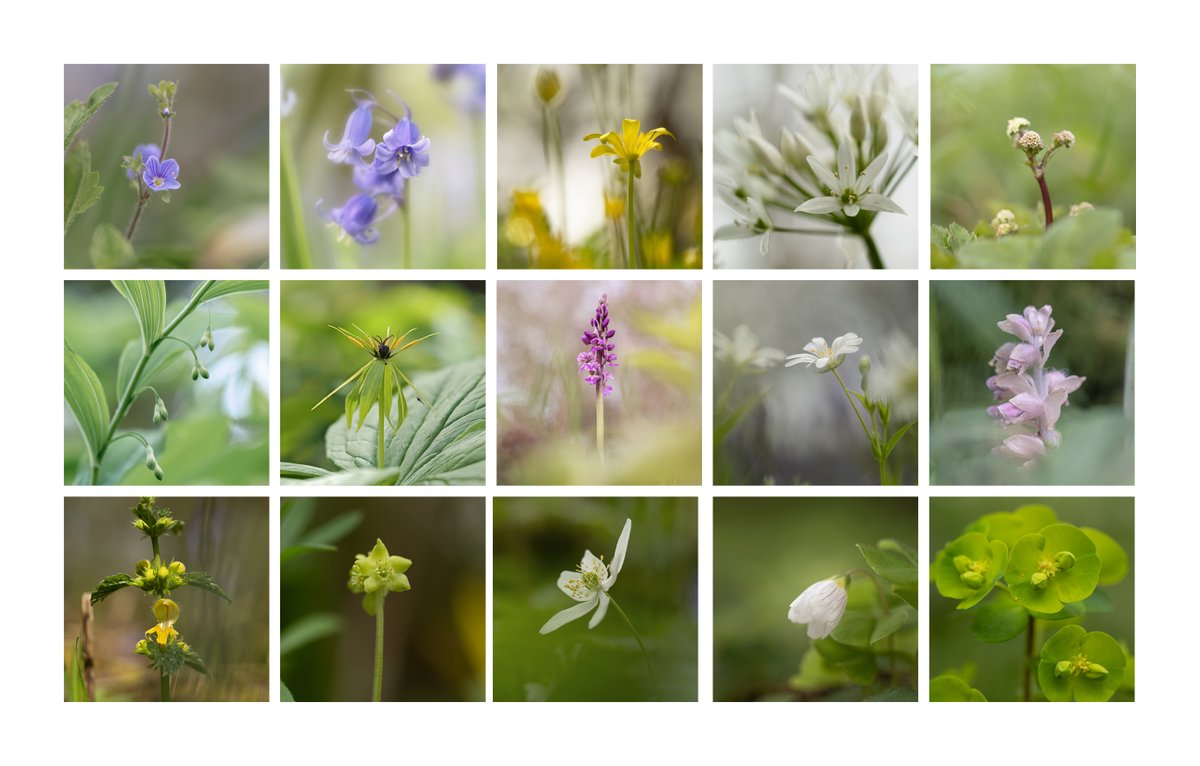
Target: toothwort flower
column 820, row 606
column 1030, row 395
column 849, row 190
column 142, row 154
column 160, row 176
column 601, row 353
column 355, row 218
column 589, row 585
column 403, row 150
column 356, row 140
column 826, row 358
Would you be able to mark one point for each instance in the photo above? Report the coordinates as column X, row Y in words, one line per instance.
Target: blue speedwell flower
column 141, row 155
column 356, row 218
column 356, row 138
column 371, row 181
column 403, row 150
column 160, row 176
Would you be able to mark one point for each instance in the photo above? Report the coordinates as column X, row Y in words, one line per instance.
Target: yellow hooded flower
column 166, row 612
column 629, row 145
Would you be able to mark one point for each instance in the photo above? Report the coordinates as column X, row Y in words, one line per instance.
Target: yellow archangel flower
column 166, row 612
column 629, row 145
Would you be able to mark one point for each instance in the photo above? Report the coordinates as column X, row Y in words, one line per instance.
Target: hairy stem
column 637, row 636
column 600, row 420
column 377, row 683
column 630, row 223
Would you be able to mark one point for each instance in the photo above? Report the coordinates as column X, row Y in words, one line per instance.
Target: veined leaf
column 227, row 287
column 81, row 184
column 148, row 299
column 362, row 477
column 202, row 581
column 110, row 585
column 85, row 397
column 892, row 566
column 77, row 113
column 301, row 471
column 163, row 357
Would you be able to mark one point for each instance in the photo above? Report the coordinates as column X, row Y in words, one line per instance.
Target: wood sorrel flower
column 356, row 218
column 601, row 353
column 403, row 150
column 160, row 175
column 820, row 606
column 817, row 353
column 356, row 140
column 849, row 190
column 589, row 585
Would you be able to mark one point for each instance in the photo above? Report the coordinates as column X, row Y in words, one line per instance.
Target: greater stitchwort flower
column 820, row 606
column 589, row 585
column 826, row 358
column 375, row 575
column 743, row 351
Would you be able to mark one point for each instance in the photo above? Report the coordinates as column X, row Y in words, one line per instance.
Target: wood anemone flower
column 377, row 379
column 629, row 145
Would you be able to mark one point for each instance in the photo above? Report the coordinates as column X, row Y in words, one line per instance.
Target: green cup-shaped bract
column 1034, row 574
column 1010, row 526
column 1093, row 671
column 951, row 688
column 1114, row 562
column 989, row 556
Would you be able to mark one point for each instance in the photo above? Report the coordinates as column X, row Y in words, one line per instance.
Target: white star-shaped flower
column 849, row 190
column 589, row 585
column 826, row 358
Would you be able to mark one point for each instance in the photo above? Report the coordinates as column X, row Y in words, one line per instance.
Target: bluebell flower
column 160, row 176
column 475, row 99
column 403, row 150
column 356, row 138
column 355, row 218
column 142, row 154
column 371, row 181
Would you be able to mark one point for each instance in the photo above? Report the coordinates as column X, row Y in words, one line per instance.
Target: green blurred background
column 434, row 634
column 445, row 200
column 766, row 551
column 218, row 428
column 534, row 540
column 997, row 667
column 226, row 537
column 219, row 218
column 1097, row 342
column 547, row 413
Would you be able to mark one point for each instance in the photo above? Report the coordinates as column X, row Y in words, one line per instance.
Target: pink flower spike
column 1024, row 448
column 1024, row 355
column 1039, row 320
column 1015, row 324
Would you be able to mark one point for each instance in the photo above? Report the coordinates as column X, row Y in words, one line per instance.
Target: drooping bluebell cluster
column 602, row 351
column 380, row 169
column 473, row 98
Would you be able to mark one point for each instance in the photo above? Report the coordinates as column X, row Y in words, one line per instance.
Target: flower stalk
column 374, row 575
column 150, row 167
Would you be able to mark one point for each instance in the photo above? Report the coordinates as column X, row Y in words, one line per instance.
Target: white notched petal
column 817, row 346
column 846, row 344
column 569, row 614
column 879, row 202
column 618, row 559
column 601, row 610
column 795, row 359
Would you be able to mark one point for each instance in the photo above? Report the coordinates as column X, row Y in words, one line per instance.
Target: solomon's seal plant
column 1030, row 395
column 597, row 362
column 375, row 575
column 876, row 405
column 861, row 635
column 163, row 646
column 1022, row 572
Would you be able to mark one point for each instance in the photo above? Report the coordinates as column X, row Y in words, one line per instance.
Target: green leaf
column 889, row 624
column 895, row 438
column 295, row 551
column 301, row 471
column 442, row 442
column 148, row 299
column 893, row 566
column 999, row 621
column 816, row 673
column 307, row 629
column 285, row 694
column 164, row 356
column 110, row 249
column 1010, row 526
column 76, row 690
column 85, row 397
column 293, row 236
column 910, row 594
column 894, row 694
column 202, row 581
column 951, row 688
column 226, row 287
column 77, row 113
column 730, row 421
column 1114, row 562
column 857, row 663
column 81, row 184
column 860, row 629
column 334, row 529
column 110, row 585
column 193, row 661
column 362, row 477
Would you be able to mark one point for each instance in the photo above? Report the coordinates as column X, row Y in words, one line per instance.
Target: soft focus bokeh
column 434, row 643
column 794, row 425
column 552, row 194
column 316, row 359
column 217, row 431
column 445, row 200
column 742, row 90
column 766, row 551
column 218, row 218
column 1097, row 343
column 226, row 537
column 535, row 539
column 547, row 413
column 995, row 669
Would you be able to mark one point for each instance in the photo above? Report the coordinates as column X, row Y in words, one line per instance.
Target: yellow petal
column 629, row 132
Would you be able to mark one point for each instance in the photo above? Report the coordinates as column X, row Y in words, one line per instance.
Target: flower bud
column 962, row 563
column 1062, row 668
column 547, row 85
column 1030, row 142
column 195, row 373
column 1064, row 559
column 158, row 472
column 1081, row 208
column 143, row 568
column 794, row 149
column 1016, row 126
column 151, row 462
column 1064, row 138
column 1095, row 670
column 177, row 567
column 1039, row 579
column 1004, row 223
column 203, row 370
column 972, row 580
column 143, row 648
column 858, row 121
column 864, row 365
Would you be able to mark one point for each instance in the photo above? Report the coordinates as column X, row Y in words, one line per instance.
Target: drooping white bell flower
column 820, row 606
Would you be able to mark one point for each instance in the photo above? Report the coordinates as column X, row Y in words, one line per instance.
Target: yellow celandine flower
column 614, row 206
column 166, row 612
column 629, row 145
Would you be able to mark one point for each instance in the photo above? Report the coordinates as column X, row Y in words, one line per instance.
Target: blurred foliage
column 802, row 430
column 977, row 172
column 546, row 411
column 995, row 668
column 218, row 219
column 534, row 539
column 435, row 633
column 1097, row 342
column 766, row 551
column 445, row 201
column 561, row 208
column 217, row 432
column 316, row 359
column 228, row 538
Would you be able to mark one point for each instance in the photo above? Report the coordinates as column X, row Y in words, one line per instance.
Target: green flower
column 1053, row 567
column 376, row 574
column 951, row 688
column 1080, row 666
column 968, row 568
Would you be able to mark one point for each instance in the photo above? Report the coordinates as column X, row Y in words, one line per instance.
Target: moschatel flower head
column 589, row 585
column 629, row 145
column 820, row 606
column 826, row 358
column 848, row 190
column 601, row 353
column 403, row 150
column 376, row 574
column 356, row 218
column 356, row 140
column 160, row 175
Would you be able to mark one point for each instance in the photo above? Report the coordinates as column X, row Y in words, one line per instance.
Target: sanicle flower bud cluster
column 1031, row 143
column 1030, row 395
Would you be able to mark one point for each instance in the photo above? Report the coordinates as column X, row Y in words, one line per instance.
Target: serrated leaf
column 892, row 566
column 85, row 396
column 307, row 629
column 193, row 661
column 81, row 184
column 78, row 113
column 202, row 581
column 1000, row 620
column 110, row 585
column 148, row 299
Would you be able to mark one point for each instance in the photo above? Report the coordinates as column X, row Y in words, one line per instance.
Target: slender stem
column 1041, row 179
column 636, row 635
column 144, row 193
column 854, row 407
column 1025, row 670
column 872, row 250
column 600, row 420
column 164, row 686
column 407, row 235
column 379, row 445
column 631, row 234
column 377, row 685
